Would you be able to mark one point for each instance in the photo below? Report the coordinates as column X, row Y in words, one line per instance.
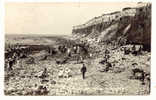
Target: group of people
column 14, row 54
column 75, row 49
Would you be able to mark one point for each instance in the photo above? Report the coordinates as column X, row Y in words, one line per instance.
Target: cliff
column 129, row 26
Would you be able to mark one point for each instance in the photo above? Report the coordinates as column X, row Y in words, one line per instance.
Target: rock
column 118, row 70
column 64, row 73
column 42, row 90
column 106, row 67
column 61, row 61
column 23, row 56
column 30, row 60
column 138, row 74
column 103, row 61
column 44, row 74
column 134, row 64
column 53, row 82
column 44, row 81
column 123, row 58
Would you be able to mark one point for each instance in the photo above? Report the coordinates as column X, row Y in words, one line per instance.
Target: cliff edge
column 129, row 26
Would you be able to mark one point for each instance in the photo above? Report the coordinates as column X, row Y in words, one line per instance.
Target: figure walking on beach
column 83, row 71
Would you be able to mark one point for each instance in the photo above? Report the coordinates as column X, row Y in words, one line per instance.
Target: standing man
column 83, row 71
column 10, row 64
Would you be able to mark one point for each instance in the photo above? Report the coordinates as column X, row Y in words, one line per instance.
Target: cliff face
column 131, row 25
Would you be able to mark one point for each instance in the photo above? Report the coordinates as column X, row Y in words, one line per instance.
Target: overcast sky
column 54, row 18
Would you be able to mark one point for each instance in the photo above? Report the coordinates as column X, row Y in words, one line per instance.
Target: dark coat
column 83, row 69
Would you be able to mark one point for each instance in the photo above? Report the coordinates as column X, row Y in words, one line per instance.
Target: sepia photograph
column 77, row 48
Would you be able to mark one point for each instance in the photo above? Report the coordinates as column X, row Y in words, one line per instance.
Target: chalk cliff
column 129, row 26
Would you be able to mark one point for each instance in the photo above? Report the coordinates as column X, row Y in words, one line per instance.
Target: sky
column 54, row 18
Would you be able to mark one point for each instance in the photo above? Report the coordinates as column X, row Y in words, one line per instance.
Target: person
column 11, row 64
column 69, row 52
column 83, row 71
column 44, row 74
column 75, row 49
column 81, row 59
